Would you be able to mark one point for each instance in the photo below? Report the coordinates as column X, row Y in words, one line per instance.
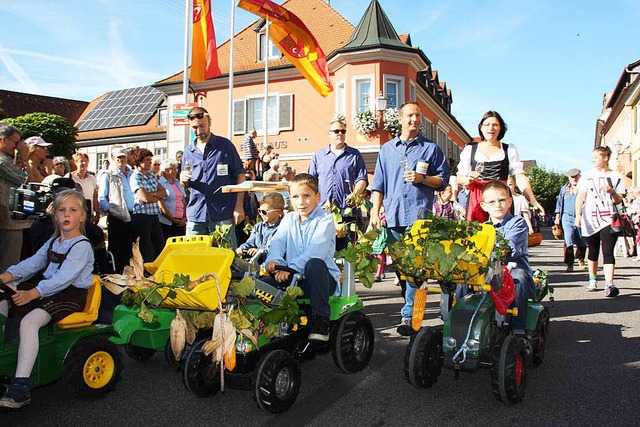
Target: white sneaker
column 593, row 286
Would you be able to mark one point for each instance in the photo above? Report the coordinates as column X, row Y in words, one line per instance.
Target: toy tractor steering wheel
column 5, row 292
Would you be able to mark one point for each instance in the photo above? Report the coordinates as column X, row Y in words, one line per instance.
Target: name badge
column 222, row 169
column 422, row 168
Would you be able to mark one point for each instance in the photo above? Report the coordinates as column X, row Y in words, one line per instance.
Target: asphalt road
column 591, row 375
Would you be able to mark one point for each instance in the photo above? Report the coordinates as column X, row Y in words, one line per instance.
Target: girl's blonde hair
column 62, row 197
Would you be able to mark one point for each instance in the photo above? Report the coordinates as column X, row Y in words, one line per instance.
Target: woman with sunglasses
column 271, row 212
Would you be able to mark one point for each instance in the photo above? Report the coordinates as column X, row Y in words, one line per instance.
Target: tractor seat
column 90, row 312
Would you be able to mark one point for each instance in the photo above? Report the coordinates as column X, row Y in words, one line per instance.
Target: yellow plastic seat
column 90, row 312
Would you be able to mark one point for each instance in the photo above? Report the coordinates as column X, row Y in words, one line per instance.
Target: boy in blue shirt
column 496, row 201
column 271, row 211
column 305, row 241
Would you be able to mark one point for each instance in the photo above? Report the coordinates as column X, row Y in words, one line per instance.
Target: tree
column 50, row 127
column 546, row 186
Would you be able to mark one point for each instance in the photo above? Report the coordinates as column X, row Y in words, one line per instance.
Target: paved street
column 591, row 375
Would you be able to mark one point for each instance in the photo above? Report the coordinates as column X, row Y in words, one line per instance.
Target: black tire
column 139, row 353
column 352, row 342
column 93, row 367
column 277, row 381
column 423, row 357
column 539, row 338
column 199, row 374
column 509, row 370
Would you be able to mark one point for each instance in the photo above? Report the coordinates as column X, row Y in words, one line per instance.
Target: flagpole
column 231, row 37
column 185, row 76
column 266, row 85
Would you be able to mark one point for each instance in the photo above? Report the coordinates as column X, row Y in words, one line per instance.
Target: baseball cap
column 573, row 172
column 118, row 152
column 36, row 140
column 60, row 184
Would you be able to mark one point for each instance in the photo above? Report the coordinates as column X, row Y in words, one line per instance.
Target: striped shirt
column 149, row 183
column 250, row 149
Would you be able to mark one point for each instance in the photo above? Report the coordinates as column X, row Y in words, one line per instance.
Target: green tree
column 546, row 186
column 52, row 128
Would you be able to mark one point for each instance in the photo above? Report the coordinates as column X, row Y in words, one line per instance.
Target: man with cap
column 38, row 150
column 213, row 162
column 11, row 230
column 116, row 198
column 566, row 215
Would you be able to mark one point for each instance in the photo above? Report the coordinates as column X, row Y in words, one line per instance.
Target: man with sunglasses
column 341, row 173
column 208, row 163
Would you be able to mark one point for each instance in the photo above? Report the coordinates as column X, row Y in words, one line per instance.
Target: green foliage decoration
column 52, row 128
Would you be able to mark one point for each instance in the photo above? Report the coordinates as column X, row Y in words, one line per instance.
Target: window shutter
column 239, row 117
column 285, row 113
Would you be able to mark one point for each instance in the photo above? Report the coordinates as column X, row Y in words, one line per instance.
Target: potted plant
column 392, row 122
column 365, row 122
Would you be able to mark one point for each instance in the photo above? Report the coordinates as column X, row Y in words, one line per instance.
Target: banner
column 295, row 41
column 204, row 53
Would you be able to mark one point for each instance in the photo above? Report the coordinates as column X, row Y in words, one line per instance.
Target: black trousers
column 120, row 240
column 569, row 257
column 147, row 227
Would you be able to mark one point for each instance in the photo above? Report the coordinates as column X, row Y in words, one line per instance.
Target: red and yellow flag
column 204, row 53
column 295, row 41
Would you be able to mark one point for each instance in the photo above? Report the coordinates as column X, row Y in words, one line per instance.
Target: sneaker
column 611, row 291
column 405, row 329
column 18, row 395
column 593, row 286
column 319, row 329
column 569, row 269
column 527, row 343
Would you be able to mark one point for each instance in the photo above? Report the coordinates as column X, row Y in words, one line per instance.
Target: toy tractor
column 267, row 357
column 476, row 331
column 74, row 350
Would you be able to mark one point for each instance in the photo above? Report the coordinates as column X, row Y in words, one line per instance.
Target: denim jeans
column 525, row 289
column 395, row 234
column 203, row 228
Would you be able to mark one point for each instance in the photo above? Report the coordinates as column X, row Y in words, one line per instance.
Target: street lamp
column 618, row 147
column 381, row 106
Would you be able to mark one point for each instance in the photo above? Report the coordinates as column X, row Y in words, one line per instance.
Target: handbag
column 557, row 231
column 621, row 224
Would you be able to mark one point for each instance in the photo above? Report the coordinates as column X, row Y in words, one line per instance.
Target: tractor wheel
column 199, row 374
column 539, row 339
column 93, row 367
column 509, row 370
column 277, row 382
column 423, row 357
column 139, row 353
column 352, row 342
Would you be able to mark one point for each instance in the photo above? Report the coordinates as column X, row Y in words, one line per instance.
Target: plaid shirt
column 148, row 183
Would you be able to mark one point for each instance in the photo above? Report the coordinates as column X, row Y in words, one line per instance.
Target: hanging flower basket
column 365, row 122
column 392, row 122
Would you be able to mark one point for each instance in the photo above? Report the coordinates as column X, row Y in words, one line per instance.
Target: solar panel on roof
column 121, row 108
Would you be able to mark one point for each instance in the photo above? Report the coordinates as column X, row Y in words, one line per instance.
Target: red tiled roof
column 17, row 104
column 330, row 29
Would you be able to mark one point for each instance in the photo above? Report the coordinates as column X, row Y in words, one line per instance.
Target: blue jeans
column 208, row 227
column 525, row 289
column 395, row 234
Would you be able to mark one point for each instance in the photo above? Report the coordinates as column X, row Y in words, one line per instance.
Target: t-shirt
column 520, row 205
column 598, row 205
column 89, row 185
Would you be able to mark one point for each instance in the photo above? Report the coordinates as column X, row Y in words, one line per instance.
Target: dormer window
column 274, row 53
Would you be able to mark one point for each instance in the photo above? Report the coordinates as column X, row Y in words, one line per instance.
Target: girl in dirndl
column 48, row 286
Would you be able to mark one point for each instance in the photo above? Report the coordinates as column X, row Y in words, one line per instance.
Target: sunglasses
column 197, row 115
column 338, row 131
column 263, row 212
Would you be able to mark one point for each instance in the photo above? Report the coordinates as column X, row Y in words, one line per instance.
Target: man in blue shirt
column 210, row 162
column 409, row 169
column 341, row 172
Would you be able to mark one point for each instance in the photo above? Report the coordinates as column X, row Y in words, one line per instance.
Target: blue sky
column 543, row 64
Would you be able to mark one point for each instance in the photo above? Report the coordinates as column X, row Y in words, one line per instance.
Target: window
column 162, row 117
column 248, row 114
column 160, row 152
column 274, row 53
column 100, row 159
column 412, row 92
column 341, row 99
column 394, row 91
column 637, row 121
column 362, row 100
